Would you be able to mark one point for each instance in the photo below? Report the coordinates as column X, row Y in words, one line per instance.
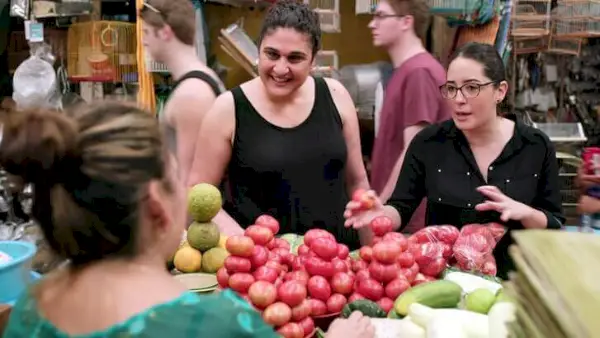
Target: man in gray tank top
column 168, row 37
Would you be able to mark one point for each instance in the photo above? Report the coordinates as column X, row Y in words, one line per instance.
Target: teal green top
column 219, row 315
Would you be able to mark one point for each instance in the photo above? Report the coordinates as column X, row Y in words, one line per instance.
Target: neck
column 486, row 134
column 404, row 50
column 182, row 59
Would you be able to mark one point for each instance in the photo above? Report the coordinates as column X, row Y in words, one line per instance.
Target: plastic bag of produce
column 473, row 248
column 431, row 248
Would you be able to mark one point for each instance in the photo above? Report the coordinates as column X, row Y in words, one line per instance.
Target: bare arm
column 185, row 111
column 356, row 175
column 213, row 153
column 409, row 134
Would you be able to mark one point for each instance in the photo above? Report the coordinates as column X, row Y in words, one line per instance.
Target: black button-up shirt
column 440, row 166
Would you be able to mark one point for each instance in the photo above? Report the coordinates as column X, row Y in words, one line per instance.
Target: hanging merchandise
column 34, row 82
column 19, row 8
column 464, row 12
column 145, row 97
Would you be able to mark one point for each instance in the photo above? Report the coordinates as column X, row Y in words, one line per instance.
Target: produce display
column 202, row 246
column 438, row 282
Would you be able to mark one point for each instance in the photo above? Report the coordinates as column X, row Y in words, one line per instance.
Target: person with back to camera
column 478, row 167
column 108, row 197
column 288, row 141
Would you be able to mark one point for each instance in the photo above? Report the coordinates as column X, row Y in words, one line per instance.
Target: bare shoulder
column 221, row 116
column 341, row 98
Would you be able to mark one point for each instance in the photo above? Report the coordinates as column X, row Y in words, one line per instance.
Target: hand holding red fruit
column 358, row 217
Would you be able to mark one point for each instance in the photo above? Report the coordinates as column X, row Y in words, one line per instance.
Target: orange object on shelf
column 146, row 96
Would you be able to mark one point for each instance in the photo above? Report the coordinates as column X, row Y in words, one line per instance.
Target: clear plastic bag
column 34, row 82
column 473, row 250
column 431, row 248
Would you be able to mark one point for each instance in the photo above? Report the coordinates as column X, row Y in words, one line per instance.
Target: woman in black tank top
column 288, row 142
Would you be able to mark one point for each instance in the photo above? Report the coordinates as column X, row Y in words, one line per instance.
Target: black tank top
column 296, row 175
column 170, row 132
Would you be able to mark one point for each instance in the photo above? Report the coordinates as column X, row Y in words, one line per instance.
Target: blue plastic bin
column 15, row 275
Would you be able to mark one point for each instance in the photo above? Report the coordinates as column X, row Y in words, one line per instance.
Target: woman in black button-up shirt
column 478, row 167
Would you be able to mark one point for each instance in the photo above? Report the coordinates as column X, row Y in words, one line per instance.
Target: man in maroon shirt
column 412, row 99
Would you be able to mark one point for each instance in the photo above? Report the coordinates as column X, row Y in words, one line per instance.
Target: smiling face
column 473, row 95
column 285, row 60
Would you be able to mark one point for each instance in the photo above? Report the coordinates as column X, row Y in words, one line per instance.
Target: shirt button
column 469, row 205
column 439, row 170
column 468, row 173
column 491, row 168
column 507, row 181
column 535, row 175
column 439, row 199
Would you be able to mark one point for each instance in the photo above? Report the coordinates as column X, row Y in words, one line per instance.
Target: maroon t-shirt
column 412, row 96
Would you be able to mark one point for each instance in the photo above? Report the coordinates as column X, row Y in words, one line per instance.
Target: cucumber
column 367, row 307
column 393, row 315
column 437, row 294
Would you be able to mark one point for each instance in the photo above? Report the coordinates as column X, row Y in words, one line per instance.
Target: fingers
column 492, row 192
column 356, row 316
column 506, row 215
column 489, row 206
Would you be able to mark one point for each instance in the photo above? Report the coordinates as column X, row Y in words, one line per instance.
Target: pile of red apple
column 262, row 269
column 386, row 269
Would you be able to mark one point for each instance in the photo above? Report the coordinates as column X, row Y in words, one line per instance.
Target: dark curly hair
column 295, row 15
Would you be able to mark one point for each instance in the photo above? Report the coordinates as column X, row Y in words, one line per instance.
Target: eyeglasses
column 378, row 16
column 468, row 90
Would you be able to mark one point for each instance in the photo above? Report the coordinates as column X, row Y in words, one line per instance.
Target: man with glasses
column 168, row 37
column 412, row 98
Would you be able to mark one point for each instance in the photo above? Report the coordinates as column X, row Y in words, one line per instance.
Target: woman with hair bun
column 109, row 199
column 479, row 166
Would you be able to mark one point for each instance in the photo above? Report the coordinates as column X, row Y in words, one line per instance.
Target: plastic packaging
column 34, row 82
column 473, row 249
column 469, row 249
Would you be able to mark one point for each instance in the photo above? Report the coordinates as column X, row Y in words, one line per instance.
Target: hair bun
column 34, row 142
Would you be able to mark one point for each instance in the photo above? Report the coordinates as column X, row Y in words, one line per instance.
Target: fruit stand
column 436, row 281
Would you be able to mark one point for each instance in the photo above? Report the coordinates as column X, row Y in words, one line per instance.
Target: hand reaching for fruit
column 357, row 325
column 362, row 209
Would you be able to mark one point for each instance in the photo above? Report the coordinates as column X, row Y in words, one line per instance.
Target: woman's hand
column 588, row 205
column 359, row 214
column 508, row 208
column 584, row 181
column 357, row 325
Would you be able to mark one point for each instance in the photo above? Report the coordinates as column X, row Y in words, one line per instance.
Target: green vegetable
column 480, row 301
column 355, row 254
column 320, row 333
column 436, row 294
column 367, row 307
column 393, row 315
